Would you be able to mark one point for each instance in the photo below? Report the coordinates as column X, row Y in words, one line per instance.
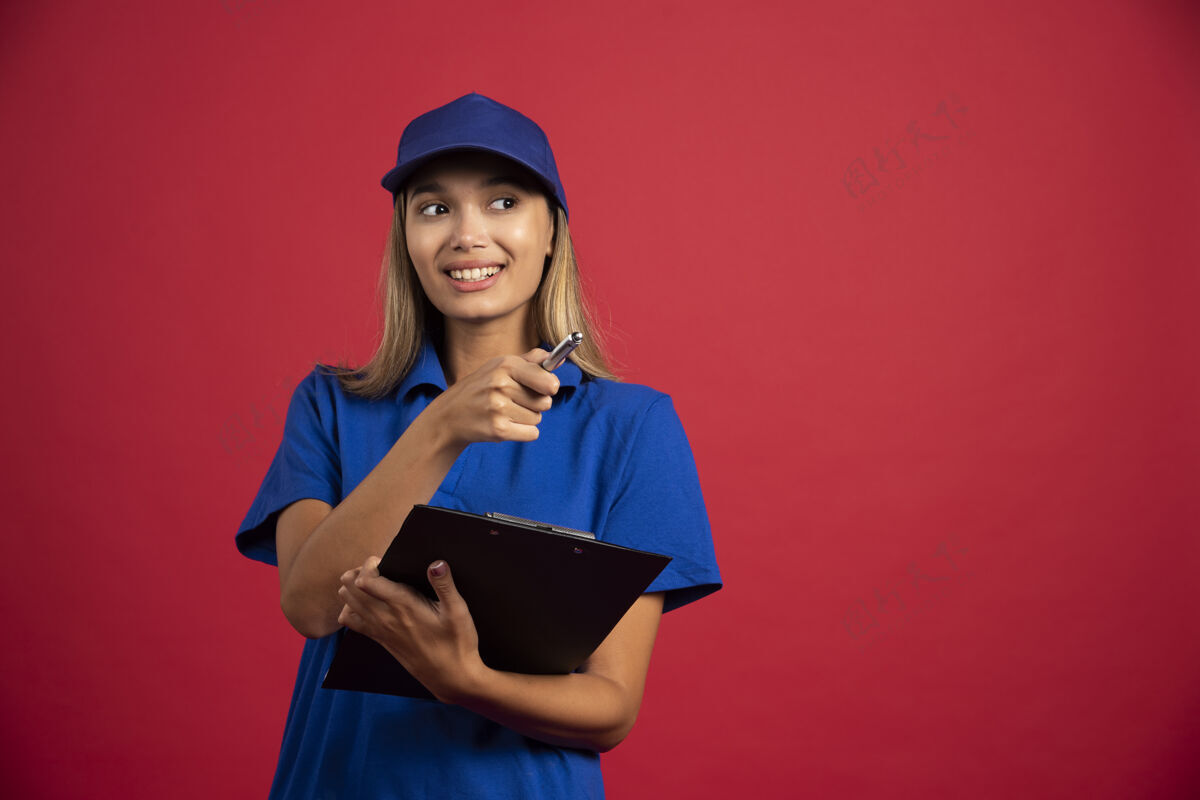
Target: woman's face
column 478, row 233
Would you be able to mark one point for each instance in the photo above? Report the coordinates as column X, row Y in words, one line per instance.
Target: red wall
column 922, row 280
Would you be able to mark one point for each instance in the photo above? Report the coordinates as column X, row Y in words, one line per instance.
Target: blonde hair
column 559, row 308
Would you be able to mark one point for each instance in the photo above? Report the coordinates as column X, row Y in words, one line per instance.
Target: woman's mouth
column 474, row 274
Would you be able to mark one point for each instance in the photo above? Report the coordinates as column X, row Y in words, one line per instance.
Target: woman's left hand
column 435, row 641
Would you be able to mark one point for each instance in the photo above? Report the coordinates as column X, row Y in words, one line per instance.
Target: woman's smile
column 472, row 276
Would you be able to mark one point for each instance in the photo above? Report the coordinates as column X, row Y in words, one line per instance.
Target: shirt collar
column 427, row 371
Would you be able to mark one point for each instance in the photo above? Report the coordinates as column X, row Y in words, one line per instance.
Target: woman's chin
column 483, row 313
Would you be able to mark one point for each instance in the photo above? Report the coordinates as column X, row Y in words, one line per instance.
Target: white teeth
column 473, row 274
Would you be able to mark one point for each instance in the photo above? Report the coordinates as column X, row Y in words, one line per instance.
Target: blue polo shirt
column 620, row 466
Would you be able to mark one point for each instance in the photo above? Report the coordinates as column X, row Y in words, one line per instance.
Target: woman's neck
column 467, row 345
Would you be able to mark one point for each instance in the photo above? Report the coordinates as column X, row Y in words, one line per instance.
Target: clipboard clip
column 543, row 526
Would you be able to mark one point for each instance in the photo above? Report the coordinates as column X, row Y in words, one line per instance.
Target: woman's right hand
column 502, row 401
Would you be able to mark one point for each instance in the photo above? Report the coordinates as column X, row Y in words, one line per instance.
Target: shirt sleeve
column 305, row 466
column 659, row 507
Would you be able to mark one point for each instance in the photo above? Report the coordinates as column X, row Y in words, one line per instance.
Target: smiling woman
column 455, row 410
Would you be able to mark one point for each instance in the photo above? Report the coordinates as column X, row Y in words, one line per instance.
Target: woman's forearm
column 580, row 710
column 593, row 709
column 317, row 544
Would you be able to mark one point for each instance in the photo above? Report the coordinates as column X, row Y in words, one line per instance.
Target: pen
column 559, row 354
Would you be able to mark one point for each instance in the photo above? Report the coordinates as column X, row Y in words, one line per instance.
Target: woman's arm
column 436, row 642
column 315, row 543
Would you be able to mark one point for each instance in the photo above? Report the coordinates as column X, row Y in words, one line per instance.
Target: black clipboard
column 542, row 597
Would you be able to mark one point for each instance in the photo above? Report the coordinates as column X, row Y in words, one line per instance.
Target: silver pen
column 559, row 354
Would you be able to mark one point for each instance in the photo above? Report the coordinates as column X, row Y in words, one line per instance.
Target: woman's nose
column 470, row 230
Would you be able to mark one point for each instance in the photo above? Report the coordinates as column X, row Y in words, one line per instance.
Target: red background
column 922, row 280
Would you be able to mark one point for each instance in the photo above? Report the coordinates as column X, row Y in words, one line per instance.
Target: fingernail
column 437, row 569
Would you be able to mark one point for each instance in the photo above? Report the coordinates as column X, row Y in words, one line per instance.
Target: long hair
column 559, row 308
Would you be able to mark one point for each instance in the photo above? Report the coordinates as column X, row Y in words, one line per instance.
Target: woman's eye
column 503, row 203
column 433, row 209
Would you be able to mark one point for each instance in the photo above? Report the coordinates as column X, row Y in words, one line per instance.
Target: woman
column 455, row 410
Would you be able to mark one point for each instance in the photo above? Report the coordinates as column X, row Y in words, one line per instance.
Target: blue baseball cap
column 475, row 122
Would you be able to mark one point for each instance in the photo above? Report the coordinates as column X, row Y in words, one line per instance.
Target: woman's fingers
column 443, row 585
column 530, row 374
column 435, row 641
column 536, row 356
column 516, row 399
column 529, row 399
column 383, row 590
column 373, row 604
column 354, row 612
column 501, row 401
column 523, row 380
column 518, row 405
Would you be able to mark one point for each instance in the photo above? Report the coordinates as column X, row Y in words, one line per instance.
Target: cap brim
column 394, row 180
